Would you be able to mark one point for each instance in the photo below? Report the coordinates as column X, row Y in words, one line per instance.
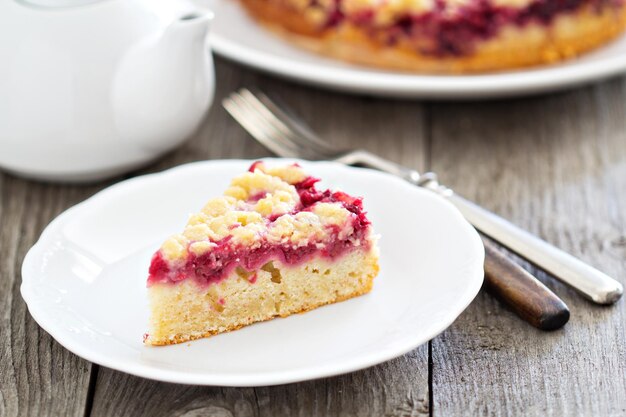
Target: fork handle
column 590, row 282
column 522, row 292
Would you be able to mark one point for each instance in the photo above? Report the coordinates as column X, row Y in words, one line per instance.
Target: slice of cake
column 273, row 245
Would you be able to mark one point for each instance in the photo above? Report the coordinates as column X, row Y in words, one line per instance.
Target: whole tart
column 444, row 36
column 273, row 245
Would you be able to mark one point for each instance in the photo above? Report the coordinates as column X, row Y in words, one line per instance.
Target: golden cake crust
column 568, row 35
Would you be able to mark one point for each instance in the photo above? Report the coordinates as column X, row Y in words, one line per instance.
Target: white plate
column 237, row 37
column 84, row 282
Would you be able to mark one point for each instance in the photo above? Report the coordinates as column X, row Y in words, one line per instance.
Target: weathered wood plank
column 391, row 389
column 38, row 377
column 555, row 165
column 398, row 388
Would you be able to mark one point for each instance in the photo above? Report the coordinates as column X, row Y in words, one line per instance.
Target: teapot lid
column 52, row 4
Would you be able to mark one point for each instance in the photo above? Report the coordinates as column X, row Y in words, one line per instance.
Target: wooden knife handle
column 522, row 292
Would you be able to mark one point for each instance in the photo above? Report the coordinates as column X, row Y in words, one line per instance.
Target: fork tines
column 277, row 130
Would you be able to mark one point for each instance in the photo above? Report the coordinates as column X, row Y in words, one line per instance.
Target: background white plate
column 84, row 282
column 235, row 36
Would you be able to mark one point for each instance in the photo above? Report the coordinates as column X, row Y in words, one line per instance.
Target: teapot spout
column 191, row 27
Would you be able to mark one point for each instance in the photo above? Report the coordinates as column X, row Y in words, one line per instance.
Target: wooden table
column 555, row 165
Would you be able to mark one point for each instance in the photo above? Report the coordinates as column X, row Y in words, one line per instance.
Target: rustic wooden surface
column 554, row 164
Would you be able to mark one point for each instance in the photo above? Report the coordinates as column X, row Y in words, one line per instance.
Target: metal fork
column 287, row 136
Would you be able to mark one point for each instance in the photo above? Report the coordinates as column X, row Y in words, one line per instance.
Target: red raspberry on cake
column 273, row 245
column 444, row 36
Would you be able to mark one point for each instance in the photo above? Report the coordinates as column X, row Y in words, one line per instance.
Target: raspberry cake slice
column 273, row 245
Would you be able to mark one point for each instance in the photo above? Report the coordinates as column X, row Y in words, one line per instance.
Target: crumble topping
column 218, row 206
column 296, row 230
column 291, row 174
column 387, row 11
column 331, row 213
column 263, row 204
column 201, row 247
column 175, row 248
column 278, row 203
column 253, row 184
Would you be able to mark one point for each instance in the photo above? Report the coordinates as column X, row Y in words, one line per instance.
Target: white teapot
column 93, row 88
